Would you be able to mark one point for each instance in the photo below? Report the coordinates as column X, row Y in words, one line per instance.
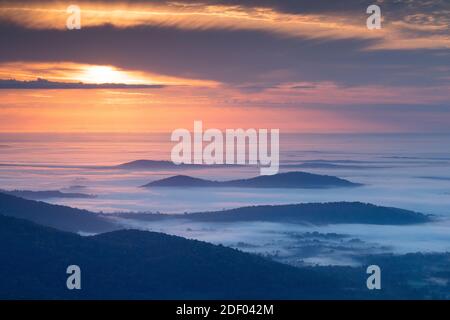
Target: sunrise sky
column 297, row 65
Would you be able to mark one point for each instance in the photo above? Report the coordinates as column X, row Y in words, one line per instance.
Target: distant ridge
column 56, row 216
column 295, row 179
column 46, row 194
column 77, row 220
column 304, row 213
column 183, row 181
column 143, row 164
column 151, row 164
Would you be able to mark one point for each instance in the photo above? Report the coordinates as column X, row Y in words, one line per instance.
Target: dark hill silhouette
column 293, row 179
column 60, row 217
column 132, row 264
column 183, row 181
column 77, row 220
column 307, row 213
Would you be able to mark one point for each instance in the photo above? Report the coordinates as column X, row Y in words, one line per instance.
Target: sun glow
column 106, row 74
column 93, row 74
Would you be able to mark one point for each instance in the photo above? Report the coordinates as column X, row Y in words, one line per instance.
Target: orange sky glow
column 275, row 96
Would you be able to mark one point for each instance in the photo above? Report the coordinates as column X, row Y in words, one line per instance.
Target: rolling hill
column 304, row 213
column 131, row 264
column 293, row 179
column 59, row 217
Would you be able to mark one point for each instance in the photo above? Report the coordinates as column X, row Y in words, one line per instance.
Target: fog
column 302, row 244
column 405, row 171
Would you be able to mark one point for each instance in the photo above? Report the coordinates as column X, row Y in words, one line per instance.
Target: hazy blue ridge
column 281, row 180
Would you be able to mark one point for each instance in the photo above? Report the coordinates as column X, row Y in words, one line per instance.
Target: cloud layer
column 314, row 56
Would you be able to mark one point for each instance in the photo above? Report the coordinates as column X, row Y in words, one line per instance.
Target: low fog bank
column 309, row 245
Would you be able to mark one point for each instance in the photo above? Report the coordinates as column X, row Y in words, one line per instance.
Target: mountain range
column 84, row 221
column 131, row 264
column 303, row 213
column 293, row 179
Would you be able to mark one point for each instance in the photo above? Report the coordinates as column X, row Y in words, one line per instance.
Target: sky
column 154, row 66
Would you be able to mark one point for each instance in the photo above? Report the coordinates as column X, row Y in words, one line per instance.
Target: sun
column 105, row 74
